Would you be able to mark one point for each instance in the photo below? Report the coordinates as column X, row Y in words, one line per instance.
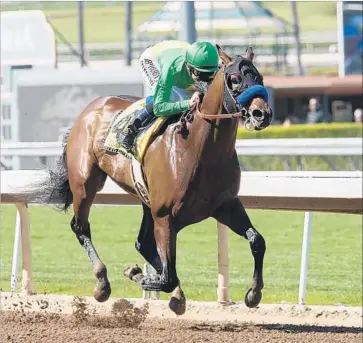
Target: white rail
column 245, row 147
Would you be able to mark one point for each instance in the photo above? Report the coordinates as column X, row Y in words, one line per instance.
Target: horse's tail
column 54, row 188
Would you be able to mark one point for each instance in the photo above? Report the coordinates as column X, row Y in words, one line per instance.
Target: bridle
column 230, row 104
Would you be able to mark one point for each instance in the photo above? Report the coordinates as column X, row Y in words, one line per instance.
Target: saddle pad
column 118, row 126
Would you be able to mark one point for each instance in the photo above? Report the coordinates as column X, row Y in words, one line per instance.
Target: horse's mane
column 201, row 86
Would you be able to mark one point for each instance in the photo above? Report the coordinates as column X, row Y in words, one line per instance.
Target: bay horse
column 189, row 177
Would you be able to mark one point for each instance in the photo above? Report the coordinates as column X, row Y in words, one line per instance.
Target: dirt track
column 124, row 322
column 36, row 328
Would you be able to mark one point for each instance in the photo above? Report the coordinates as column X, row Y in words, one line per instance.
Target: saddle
column 118, row 127
column 146, row 134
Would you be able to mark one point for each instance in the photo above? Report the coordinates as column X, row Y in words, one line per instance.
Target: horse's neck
column 212, row 103
column 219, row 135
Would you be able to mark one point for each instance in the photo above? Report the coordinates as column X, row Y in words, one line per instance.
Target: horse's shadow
column 293, row 328
column 287, row 328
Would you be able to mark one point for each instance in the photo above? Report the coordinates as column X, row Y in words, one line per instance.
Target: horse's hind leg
column 84, row 190
column 235, row 217
column 145, row 243
column 146, row 246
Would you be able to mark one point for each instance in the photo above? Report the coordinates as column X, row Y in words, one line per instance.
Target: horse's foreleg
column 235, row 217
column 147, row 247
column 165, row 244
column 83, row 195
column 165, row 238
column 157, row 244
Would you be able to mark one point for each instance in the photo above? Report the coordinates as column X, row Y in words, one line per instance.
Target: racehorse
column 191, row 170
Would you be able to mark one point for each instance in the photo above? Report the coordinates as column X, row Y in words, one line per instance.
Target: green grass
column 313, row 15
column 102, row 24
column 307, row 163
column 62, row 266
column 105, row 23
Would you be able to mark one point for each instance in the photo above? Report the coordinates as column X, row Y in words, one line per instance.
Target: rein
column 219, row 116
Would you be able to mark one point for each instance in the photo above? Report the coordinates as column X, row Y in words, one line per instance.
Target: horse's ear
column 226, row 59
column 249, row 54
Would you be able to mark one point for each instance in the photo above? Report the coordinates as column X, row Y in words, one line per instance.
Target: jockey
column 171, row 68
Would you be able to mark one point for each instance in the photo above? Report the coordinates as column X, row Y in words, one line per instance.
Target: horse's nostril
column 257, row 113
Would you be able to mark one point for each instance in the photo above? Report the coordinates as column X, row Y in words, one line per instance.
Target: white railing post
column 27, row 283
column 148, row 270
column 223, row 287
column 16, row 254
column 305, row 257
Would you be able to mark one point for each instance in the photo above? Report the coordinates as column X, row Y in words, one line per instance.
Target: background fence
column 346, row 151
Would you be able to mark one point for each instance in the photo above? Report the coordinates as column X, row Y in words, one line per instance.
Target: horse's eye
column 236, row 79
column 236, row 82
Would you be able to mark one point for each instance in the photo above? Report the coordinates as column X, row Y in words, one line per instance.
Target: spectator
column 358, row 113
column 316, row 113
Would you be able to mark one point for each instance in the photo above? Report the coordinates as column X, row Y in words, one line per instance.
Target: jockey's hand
column 194, row 99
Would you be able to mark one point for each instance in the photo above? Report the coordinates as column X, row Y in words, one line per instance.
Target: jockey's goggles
column 205, row 76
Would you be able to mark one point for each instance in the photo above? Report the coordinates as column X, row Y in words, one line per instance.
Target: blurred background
column 58, row 56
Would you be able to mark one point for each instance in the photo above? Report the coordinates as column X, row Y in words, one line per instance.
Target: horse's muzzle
column 257, row 118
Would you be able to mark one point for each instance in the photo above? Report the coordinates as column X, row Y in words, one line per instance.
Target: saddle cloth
column 118, row 127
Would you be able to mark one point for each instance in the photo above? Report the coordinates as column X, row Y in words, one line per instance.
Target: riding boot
column 142, row 117
column 129, row 138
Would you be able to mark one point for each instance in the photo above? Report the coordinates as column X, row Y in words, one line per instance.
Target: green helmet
column 203, row 56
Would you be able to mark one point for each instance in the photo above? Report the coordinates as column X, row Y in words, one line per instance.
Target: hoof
column 130, row 272
column 102, row 291
column 178, row 306
column 253, row 298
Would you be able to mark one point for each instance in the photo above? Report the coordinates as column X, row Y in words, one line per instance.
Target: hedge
column 304, row 131
column 271, row 163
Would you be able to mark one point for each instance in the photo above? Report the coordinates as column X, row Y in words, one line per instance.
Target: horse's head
column 244, row 90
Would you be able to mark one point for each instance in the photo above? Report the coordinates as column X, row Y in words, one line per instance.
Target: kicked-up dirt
column 43, row 320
